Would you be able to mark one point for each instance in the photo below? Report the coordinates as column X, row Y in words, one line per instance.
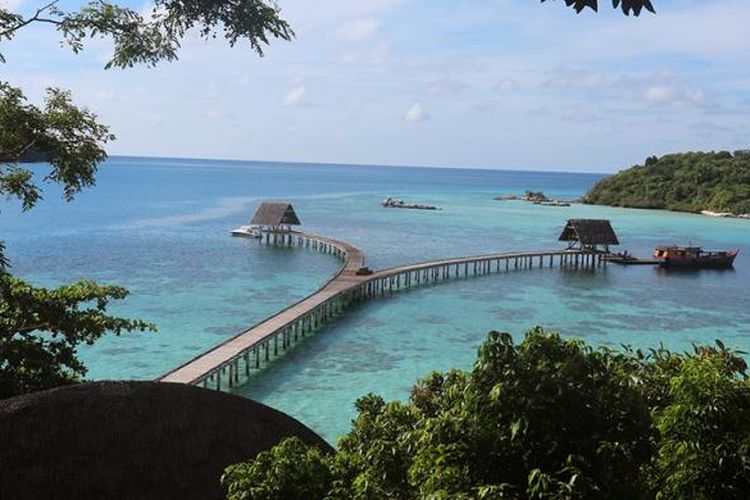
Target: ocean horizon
column 126, row 157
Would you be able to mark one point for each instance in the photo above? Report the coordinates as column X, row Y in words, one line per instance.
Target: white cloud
column 718, row 30
column 447, row 86
column 614, row 78
column 506, row 85
column 666, row 89
column 306, row 11
column 295, row 95
column 578, row 78
column 379, row 55
column 662, row 88
column 674, row 94
column 659, row 94
column 214, row 112
column 416, row 114
column 359, row 30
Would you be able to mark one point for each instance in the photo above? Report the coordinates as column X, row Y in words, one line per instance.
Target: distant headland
column 715, row 183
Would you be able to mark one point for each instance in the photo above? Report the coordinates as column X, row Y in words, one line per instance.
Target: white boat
column 248, row 232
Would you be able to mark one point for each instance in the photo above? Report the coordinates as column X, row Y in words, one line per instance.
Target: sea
column 161, row 228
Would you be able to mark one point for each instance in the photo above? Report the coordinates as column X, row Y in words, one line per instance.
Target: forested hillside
column 687, row 182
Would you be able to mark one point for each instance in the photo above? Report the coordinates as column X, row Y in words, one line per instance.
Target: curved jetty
column 229, row 363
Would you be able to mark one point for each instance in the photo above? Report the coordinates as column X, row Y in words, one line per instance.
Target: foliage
column 549, row 418
column 289, row 470
column 68, row 136
column 40, row 329
column 688, row 182
column 149, row 39
column 704, row 451
column 627, row 6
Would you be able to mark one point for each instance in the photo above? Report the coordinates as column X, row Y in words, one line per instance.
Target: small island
column 535, row 197
column 391, row 202
column 715, row 183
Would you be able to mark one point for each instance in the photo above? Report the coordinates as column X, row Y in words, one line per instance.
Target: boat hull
column 722, row 260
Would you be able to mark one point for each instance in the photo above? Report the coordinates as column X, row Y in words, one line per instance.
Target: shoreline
column 724, row 215
column 702, row 213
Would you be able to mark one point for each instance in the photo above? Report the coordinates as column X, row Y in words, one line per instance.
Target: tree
column 548, row 418
column 688, row 182
column 704, row 450
column 627, row 6
column 289, row 470
column 40, row 329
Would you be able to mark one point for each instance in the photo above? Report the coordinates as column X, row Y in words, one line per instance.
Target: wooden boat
column 694, row 257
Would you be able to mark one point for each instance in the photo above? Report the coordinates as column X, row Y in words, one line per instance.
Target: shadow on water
column 692, row 273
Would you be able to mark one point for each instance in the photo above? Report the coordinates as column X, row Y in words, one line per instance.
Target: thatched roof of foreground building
column 590, row 232
column 132, row 440
column 275, row 213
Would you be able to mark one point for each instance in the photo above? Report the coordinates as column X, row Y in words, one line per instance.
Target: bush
column 289, row 470
column 549, row 418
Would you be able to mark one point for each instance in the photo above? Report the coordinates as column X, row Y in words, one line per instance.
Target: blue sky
column 510, row 84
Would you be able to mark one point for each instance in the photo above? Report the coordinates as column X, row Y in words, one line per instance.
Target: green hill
column 687, row 182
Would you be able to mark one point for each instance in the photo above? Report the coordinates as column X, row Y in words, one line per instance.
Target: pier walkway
column 230, row 363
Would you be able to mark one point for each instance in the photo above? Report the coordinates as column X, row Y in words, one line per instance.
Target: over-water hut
column 595, row 235
column 275, row 216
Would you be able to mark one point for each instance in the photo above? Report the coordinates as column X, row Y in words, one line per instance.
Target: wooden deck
column 631, row 261
column 227, row 364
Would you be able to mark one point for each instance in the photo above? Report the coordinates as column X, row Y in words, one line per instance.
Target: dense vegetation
column 549, row 418
column 40, row 329
column 688, row 182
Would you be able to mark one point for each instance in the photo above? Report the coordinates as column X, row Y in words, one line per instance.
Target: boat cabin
column 677, row 252
column 594, row 235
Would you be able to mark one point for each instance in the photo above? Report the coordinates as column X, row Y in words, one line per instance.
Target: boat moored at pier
column 675, row 256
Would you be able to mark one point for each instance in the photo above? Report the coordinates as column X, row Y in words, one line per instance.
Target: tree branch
column 35, row 18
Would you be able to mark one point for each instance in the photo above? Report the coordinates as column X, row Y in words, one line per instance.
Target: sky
column 508, row 84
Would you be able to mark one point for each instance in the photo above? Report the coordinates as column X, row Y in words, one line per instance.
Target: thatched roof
column 132, row 440
column 590, row 232
column 275, row 213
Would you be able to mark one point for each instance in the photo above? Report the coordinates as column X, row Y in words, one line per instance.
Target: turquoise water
column 160, row 228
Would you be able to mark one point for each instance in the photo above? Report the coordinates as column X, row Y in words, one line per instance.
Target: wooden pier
column 230, row 363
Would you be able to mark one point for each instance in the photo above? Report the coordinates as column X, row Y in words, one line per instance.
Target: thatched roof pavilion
column 275, row 214
column 132, row 440
column 589, row 234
